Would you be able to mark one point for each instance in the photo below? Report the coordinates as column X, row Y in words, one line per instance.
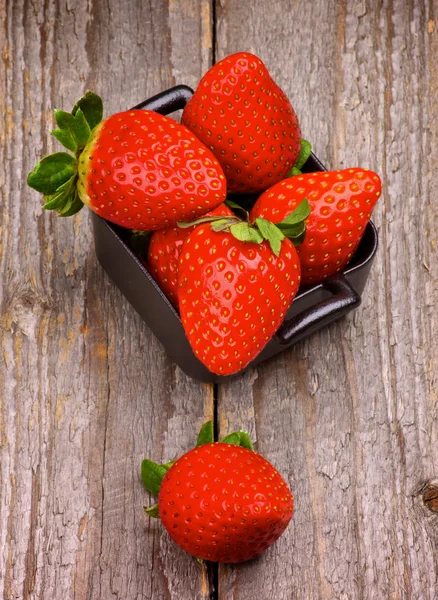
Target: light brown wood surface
column 349, row 416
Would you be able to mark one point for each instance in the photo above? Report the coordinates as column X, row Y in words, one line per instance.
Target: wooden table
column 350, row 416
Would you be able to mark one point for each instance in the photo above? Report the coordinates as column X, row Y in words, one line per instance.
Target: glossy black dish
column 313, row 307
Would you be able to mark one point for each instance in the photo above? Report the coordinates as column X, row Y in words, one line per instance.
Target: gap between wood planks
column 213, row 568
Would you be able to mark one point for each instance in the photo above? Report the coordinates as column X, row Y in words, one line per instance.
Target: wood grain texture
column 350, row 416
column 85, row 389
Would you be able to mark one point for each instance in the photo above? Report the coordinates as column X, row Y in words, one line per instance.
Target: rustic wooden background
column 349, row 416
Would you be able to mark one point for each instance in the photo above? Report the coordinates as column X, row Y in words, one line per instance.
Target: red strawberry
column 221, row 501
column 234, row 294
column 164, row 250
column 138, row 168
column 341, row 205
column 246, row 120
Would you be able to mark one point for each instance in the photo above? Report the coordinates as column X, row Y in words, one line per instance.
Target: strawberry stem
column 152, row 511
column 183, row 225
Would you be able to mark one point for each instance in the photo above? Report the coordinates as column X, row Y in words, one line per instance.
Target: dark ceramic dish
column 313, row 307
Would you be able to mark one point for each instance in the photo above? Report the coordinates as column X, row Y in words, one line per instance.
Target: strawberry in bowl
column 236, row 282
column 246, row 120
column 164, row 250
column 137, row 168
column 341, row 204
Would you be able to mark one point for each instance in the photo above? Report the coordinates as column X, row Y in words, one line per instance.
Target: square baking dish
column 313, row 307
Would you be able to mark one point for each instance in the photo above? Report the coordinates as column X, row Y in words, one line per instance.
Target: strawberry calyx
column 305, row 152
column 56, row 175
column 293, row 226
column 152, row 473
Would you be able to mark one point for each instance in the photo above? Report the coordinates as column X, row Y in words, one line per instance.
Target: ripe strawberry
column 246, row 120
column 235, row 288
column 341, row 205
column 164, row 250
column 137, row 168
column 220, row 501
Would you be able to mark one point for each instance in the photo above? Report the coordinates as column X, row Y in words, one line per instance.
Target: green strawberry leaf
column 66, row 138
column 82, row 130
column 290, row 227
column 245, row 440
column 152, row 511
column 152, row 475
column 76, row 125
column 244, row 233
column 301, row 213
column 298, row 239
column 293, row 231
column 52, row 172
column 233, row 438
column 239, row 438
column 233, row 204
column 271, row 233
column 91, row 107
column 58, row 200
column 68, row 190
column 294, row 226
column 264, row 227
column 66, row 201
column 305, row 152
column 206, row 435
column 64, row 120
column 237, row 208
column 75, row 206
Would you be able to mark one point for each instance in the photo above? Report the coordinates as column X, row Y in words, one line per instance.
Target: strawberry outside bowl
column 313, row 307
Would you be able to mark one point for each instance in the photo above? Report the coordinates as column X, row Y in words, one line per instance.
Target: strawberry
column 246, row 120
column 137, row 168
column 236, row 283
column 341, row 205
column 163, row 254
column 220, row 501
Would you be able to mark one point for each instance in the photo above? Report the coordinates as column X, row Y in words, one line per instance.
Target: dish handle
column 344, row 299
column 168, row 101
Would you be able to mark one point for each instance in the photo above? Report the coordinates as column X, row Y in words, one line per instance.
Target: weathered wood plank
column 350, row 415
column 85, row 390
